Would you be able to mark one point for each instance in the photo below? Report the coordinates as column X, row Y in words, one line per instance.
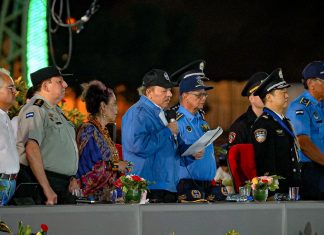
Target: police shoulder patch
column 231, row 137
column 304, row 101
column 30, row 114
column 260, row 135
column 299, row 112
column 39, row 102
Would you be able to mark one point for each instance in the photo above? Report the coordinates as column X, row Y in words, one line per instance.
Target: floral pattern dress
column 96, row 156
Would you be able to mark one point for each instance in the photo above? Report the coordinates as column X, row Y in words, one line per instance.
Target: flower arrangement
column 265, row 182
column 131, row 182
column 23, row 230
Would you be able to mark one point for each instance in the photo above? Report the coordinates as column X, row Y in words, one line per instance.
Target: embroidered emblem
column 231, row 137
column 30, row 114
column 39, row 102
column 204, row 127
column 188, row 128
column 260, row 135
column 195, row 194
column 280, row 73
column 299, row 112
column 166, row 76
column 202, row 66
column 280, row 132
column 304, row 101
column 199, row 83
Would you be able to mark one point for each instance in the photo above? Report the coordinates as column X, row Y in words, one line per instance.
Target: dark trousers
column 58, row 182
column 161, row 196
column 312, row 181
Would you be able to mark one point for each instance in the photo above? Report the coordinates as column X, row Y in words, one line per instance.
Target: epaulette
column 202, row 114
column 39, row 102
column 304, row 101
column 264, row 115
column 179, row 116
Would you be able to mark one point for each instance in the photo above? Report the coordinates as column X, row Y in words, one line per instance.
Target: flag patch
column 30, row 114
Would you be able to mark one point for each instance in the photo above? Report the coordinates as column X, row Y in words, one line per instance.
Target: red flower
column 213, row 183
column 136, row 178
column 264, row 181
column 44, row 227
column 118, row 183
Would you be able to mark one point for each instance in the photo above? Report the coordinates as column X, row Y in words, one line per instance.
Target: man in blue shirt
column 148, row 139
column 195, row 174
column 306, row 113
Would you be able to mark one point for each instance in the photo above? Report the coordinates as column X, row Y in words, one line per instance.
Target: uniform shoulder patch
column 39, row 102
column 179, row 116
column 299, row 112
column 231, row 137
column 304, row 101
column 260, row 135
column 30, row 114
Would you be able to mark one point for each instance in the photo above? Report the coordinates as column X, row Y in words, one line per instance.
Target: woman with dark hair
column 99, row 163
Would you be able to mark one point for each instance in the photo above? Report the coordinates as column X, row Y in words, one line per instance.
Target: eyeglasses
column 199, row 95
column 12, row 88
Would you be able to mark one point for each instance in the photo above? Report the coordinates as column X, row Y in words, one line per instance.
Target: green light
column 36, row 49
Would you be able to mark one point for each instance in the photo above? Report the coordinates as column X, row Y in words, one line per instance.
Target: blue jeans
column 8, row 192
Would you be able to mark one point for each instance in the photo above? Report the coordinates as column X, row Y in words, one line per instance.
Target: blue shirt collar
column 187, row 114
column 150, row 104
column 308, row 96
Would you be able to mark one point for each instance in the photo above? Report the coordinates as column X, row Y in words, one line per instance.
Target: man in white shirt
column 9, row 159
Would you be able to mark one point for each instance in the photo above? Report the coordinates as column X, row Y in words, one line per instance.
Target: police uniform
column 274, row 140
column 46, row 124
column 240, row 130
column 195, row 175
column 307, row 115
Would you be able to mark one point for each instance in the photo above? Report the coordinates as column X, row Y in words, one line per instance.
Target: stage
column 252, row 218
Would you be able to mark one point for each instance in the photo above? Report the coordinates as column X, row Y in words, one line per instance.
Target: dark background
column 124, row 39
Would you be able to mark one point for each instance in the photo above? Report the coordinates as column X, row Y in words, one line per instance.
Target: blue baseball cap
column 193, row 81
column 314, row 69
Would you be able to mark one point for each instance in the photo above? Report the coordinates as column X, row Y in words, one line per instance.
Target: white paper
column 205, row 140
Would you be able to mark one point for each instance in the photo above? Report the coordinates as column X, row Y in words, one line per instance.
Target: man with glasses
column 195, row 173
column 9, row 159
column 46, row 140
column 307, row 115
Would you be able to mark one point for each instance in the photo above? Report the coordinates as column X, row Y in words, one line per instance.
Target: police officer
column 46, row 139
column 240, row 130
column 307, row 115
column 274, row 141
column 195, row 173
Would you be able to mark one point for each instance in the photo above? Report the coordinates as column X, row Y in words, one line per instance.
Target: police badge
column 260, row 135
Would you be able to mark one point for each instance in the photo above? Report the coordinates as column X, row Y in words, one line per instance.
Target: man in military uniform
column 46, row 139
column 307, row 115
column 274, row 141
column 196, row 173
column 240, row 130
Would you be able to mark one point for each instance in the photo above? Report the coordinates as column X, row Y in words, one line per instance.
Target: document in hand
column 205, row 140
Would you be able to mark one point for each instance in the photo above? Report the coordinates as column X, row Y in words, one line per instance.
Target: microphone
column 171, row 116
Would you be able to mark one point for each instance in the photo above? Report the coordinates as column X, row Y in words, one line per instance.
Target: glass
column 199, row 95
column 12, row 88
column 260, row 195
column 294, row 193
column 245, row 191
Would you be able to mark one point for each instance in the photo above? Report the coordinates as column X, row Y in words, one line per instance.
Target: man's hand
column 173, row 126
column 199, row 154
column 51, row 196
column 73, row 185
